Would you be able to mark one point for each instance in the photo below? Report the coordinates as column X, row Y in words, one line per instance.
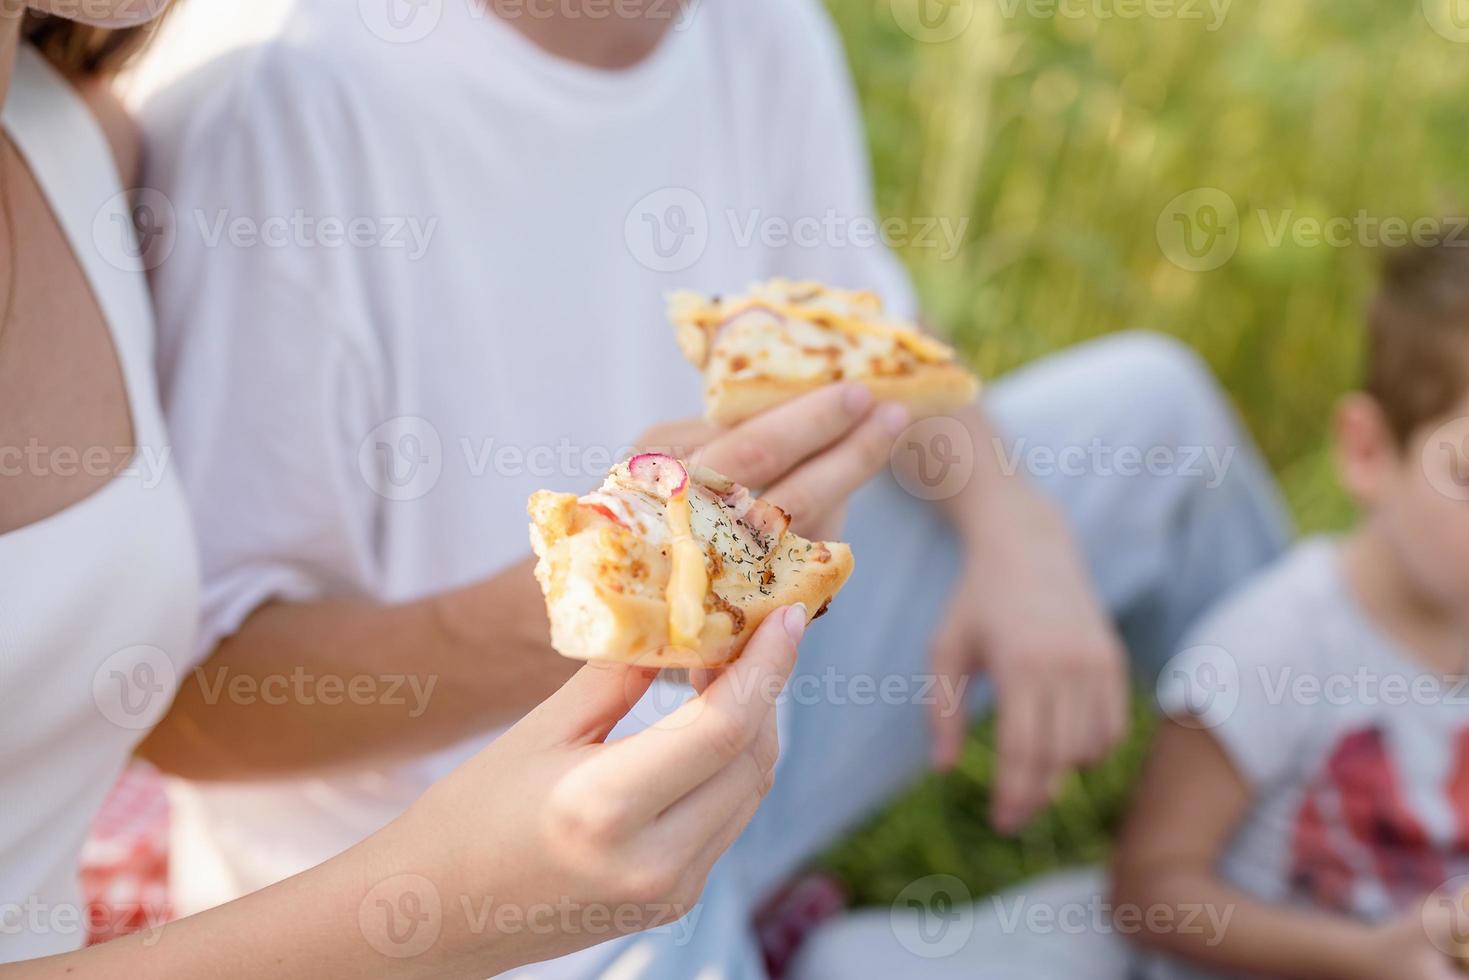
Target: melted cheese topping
column 923, row 347
column 688, row 580
column 759, row 344
column 712, row 557
column 834, row 332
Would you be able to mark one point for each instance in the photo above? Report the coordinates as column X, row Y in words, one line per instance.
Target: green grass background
column 1062, row 139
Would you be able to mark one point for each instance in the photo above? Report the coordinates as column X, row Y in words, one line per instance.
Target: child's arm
column 1188, row 804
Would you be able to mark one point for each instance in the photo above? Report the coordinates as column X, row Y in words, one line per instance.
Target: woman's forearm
column 366, row 912
column 308, row 686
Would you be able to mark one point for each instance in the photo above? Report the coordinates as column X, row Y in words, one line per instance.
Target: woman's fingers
column 681, row 438
column 735, row 821
column 762, row 449
column 718, row 818
column 812, row 490
column 708, row 805
column 712, row 731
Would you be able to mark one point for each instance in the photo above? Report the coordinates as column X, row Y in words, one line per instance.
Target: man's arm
column 1187, row 807
column 310, row 685
column 302, row 686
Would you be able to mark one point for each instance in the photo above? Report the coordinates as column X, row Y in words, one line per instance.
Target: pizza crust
column 929, row 389
column 599, row 611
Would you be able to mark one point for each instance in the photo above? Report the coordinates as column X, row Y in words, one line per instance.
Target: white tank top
column 98, row 603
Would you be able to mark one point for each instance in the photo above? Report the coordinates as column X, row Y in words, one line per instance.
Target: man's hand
column 1024, row 611
column 807, row 455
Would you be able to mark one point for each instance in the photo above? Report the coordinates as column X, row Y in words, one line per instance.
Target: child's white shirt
column 1356, row 755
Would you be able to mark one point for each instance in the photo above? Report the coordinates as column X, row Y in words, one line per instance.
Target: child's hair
column 1418, row 334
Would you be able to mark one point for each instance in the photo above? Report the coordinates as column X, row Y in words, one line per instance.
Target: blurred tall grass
column 1062, row 139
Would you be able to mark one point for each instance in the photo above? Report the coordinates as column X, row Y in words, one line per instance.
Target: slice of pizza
column 782, row 339
column 671, row 565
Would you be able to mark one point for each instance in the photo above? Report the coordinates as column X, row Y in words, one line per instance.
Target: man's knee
column 1154, row 364
column 1167, row 383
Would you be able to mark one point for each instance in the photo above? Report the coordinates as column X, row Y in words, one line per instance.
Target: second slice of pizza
column 671, row 565
column 782, row 339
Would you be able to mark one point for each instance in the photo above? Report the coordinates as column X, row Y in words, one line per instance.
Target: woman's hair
column 83, row 51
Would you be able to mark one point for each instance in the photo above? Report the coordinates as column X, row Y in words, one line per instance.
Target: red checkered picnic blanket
column 125, row 859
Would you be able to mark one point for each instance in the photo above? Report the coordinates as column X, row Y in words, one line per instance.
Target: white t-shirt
column 97, row 601
column 369, row 418
column 1356, row 755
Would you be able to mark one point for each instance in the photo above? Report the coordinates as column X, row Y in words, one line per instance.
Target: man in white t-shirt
column 418, row 273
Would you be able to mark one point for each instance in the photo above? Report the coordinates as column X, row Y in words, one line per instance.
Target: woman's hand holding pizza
column 552, row 817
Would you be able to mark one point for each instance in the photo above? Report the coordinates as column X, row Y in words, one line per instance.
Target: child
column 1311, row 786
